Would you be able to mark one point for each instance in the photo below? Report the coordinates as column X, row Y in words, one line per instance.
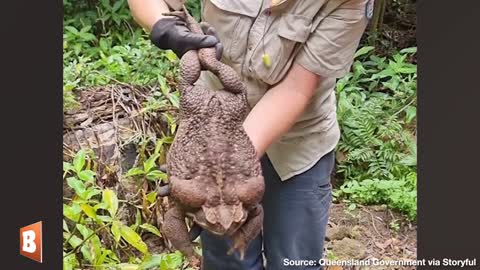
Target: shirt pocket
column 232, row 21
column 280, row 43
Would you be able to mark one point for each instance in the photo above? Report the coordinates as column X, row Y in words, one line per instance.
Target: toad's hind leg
column 175, row 230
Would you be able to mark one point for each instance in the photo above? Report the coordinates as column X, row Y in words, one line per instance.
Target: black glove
column 171, row 33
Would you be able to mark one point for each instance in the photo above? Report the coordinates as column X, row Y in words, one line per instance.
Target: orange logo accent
column 31, row 241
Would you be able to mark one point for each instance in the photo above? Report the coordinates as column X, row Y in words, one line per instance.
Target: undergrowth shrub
column 103, row 45
column 377, row 116
column 95, row 235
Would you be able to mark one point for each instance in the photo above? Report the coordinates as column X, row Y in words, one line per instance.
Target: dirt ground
column 369, row 232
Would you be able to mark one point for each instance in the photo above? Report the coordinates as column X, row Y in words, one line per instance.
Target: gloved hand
column 172, row 33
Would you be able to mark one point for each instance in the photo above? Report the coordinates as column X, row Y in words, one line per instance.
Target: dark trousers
column 295, row 220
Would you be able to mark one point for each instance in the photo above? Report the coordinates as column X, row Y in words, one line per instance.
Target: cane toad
column 214, row 175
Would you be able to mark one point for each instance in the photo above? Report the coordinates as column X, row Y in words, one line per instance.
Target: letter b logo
column 31, row 241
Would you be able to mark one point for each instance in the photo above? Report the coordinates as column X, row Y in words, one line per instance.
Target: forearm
column 280, row 107
column 147, row 12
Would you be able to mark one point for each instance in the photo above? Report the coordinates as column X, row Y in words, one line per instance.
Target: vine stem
column 75, row 249
column 404, row 107
column 74, row 229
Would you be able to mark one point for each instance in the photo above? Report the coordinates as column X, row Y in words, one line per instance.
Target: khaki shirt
column 320, row 35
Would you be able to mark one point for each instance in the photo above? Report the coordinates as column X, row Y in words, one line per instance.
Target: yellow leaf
column 89, row 211
column 133, row 238
column 110, row 199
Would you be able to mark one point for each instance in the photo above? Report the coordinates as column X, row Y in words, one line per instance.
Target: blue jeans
column 295, row 220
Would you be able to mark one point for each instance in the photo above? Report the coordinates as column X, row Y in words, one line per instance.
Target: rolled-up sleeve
column 331, row 46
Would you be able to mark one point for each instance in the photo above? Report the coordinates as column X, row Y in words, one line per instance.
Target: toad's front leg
column 175, row 230
column 190, row 70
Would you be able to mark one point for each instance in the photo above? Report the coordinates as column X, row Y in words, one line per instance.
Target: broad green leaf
column 89, row 211
column 115, row 229
column 97, row 247
column 86, row 253
column 134, row 171
column 85, row 29
column 87, row 36
column 411, row 113
column 150, row 262
column 384, row 73
column 77, row 185
column 108, row 257
column 127, row 266
column 172, row 260
column 101, row 205
column 168, row 139
column 71, row 29
column 70, row 262
column 171, row 56
column 164, row 265
column 409, row 160
column 150, row 162
column 163, row 84
column 171, row 122
column 174, row 100
column 93, row 243
column 407, row 69
column 72, row 212
column 74, row 240
column 86, row 175
column 65, row 226
column 117, row 5
column 156, row 175
column 101, row 259
column 411, row 50
column 79, row 160
column 103, row 44
column 67, row 167
column 84, row 231
column 104, row 218
column 89, row 193
column 110, row 199
column 151, row 228
column 151, row 197
column 363, row 51
column 133, row 238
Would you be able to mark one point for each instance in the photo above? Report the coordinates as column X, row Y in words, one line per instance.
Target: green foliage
column 101, row 45
column 194, row 7
column 92, row 231
column 149, row 168
column 377, row 114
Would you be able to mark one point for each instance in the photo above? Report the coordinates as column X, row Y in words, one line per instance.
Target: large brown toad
column 215, row 177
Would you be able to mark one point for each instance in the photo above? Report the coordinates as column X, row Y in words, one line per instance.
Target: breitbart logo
column 31, row 241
